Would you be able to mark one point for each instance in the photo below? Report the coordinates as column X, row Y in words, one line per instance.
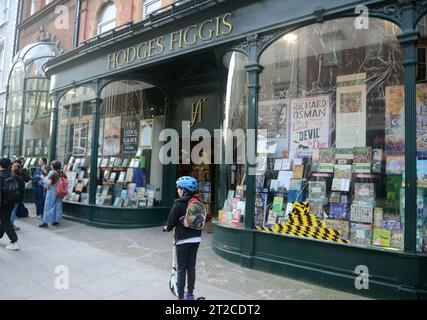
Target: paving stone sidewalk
column 128, row 264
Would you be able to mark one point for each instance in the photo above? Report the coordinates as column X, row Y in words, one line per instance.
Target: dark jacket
column 178, row 210
column 4, row 174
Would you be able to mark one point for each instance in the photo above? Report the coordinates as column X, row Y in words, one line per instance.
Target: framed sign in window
column 80, row 138
column 146, row 134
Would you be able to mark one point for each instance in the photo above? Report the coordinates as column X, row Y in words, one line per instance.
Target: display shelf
column 366, row 175
column 322, row 175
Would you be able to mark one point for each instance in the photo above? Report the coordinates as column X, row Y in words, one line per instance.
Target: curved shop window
column 331, row 135
column 234, row 125
column 74, row 140
column 129, row 170
column 27, row 120
column 421, row 95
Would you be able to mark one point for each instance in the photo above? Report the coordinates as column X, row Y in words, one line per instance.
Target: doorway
column 205, row 173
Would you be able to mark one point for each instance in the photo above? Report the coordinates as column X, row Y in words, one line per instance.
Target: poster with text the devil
column 310, row 125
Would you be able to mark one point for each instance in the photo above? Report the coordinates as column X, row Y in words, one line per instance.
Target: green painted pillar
column 96, row 112
column 253, row 69
column 53, row 127
column 408, row 40
column 169, row 170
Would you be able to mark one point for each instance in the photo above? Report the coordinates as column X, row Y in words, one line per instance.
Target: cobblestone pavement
column 129, row 264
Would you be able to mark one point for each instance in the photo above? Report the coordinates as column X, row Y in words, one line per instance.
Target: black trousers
column 6, row 225
column 186, row 255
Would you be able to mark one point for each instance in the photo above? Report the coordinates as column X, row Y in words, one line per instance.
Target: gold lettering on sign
column 192, row 35
column 196, row 111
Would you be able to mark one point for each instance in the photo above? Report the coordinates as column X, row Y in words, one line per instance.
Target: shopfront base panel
column 392, row 274
column 119, row 218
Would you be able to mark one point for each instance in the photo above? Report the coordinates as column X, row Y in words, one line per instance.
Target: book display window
column 421, row 107
column 234, row 123
column 129, row 171
column 331, row 135
column 73, row 149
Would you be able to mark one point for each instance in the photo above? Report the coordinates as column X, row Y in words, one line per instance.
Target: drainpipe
column 76, row 30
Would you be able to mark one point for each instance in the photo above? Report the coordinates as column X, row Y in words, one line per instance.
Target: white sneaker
column 13, row 246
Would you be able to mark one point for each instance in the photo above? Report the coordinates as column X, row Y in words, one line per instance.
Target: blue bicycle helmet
column 189, row 183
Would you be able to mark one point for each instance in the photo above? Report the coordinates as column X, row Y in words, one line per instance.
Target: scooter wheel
column 171, row 288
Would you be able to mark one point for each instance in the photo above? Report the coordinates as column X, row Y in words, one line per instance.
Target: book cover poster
column 146, row 134
column 260, row 208
column 273, row 117
column 338, row 211
column 310, row 125
column 381, row 237
column 394, row 119
column 112, row 136
column 351, row 111
column 421, row 93
column 361, row 234
column 129, row 135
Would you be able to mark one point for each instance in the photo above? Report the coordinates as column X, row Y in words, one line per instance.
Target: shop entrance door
column 204, row 173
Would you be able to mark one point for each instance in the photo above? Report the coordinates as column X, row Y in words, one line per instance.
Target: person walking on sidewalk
column 21, row 211
column 53, row 203
column 187, row 240
column 9, row 197
column 17, row 172
column 39, row 191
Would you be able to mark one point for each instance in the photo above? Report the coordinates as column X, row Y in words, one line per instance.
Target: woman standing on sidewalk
column 53, row 204
column 39, row 191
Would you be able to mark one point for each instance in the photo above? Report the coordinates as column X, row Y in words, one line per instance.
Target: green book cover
column 381, row 237
column 277, row 205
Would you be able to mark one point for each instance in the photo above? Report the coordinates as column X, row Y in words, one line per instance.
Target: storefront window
column 331, row 134
column 14, row 110
column 234, row 124
column 73, row 143
column 421, row 95
column 129, row 171
column 28, row 108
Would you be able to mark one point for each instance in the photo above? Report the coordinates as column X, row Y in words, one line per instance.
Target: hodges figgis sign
column 192, row 35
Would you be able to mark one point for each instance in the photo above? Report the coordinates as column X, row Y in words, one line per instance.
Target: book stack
column 362, row 214
column 317, row 197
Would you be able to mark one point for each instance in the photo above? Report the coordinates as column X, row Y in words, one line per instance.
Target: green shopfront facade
column 337, row 106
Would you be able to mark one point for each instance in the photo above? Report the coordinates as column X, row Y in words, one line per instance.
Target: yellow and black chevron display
column 302, row 223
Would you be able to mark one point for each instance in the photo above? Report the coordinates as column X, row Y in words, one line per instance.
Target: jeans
column 186, row 255
column 6, row 225
column 13, row 213
column 39, row 199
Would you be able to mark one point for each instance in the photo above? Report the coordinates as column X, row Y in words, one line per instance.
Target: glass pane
column 74, row 144
column 37, row 85
column 421, row 94
column 35, row 68
column 234, row 124
column 331, row 136
column 14, row 112
column 130, row 173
